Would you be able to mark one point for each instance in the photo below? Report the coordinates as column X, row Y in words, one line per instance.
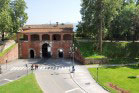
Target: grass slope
column 27, row 84
column 87, row 49
column 118, row 76
column 7, row 50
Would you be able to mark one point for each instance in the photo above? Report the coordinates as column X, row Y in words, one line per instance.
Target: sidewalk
column 83, row 79
column 109, row 65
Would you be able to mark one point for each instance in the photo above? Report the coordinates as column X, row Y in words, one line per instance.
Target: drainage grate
column 88, row 83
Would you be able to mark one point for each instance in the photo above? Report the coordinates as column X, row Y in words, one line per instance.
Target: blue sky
column 46, row 11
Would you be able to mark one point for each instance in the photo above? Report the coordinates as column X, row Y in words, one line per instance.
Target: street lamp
column 72, row 51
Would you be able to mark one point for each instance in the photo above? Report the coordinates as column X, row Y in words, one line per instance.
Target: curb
column 77, row 83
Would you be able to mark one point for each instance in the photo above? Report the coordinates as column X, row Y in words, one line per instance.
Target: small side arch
column 60, row 53
column 32, row 53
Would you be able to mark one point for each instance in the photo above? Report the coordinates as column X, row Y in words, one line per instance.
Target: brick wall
column 10, row 56
column 65, row 45
column 24, row 48
column 37, row 46
column 79, row 57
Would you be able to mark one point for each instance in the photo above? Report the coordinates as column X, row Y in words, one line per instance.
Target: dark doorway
column 60, row 53
column 31, row 53
column 45, row 53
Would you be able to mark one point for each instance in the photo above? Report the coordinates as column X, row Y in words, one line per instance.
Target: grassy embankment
column 121, row 77
column 26, row 84
column 116, row 52
column 7, row 50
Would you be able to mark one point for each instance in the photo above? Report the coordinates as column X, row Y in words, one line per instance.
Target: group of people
column 34, row 66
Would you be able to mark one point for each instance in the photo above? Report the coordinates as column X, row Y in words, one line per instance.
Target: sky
column 52, row 11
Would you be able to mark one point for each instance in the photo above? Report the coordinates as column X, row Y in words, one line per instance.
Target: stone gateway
column 44, row 41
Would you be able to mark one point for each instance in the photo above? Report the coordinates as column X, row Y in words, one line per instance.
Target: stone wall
column 85, row 61
column 10, row 56
column 96, row 61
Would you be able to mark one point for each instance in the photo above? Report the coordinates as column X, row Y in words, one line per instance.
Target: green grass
column 87, row 50
column 118, row 76
column 96, row 56
column 7, row 50
column 27, row 84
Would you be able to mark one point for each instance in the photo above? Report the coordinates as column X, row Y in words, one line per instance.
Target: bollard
column 0, row 70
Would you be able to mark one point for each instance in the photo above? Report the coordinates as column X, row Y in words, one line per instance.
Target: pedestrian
column 32, row 67
column 36, row 66
column 73, row 69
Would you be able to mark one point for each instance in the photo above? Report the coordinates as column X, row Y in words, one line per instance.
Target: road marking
column 71, row 90
column 41, row 68
column 8, row 80
column 14, row 68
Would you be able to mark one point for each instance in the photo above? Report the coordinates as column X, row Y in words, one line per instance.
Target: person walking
column 32, row 67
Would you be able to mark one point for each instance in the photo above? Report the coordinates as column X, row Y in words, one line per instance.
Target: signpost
column 6, row 64
column 0, row 70
column 27, row 68
column 97, row 73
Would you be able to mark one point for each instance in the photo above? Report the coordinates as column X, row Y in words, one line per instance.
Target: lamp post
column 72, row 51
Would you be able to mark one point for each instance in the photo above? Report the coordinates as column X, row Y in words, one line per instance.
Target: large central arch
column 45, row 52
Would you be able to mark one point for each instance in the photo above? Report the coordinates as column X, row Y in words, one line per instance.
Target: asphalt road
column 9, row 73
column 53, row 76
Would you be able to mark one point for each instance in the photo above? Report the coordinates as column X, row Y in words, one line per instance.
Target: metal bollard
column 0, row 70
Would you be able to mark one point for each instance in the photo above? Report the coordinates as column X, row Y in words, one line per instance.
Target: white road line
column 71, row 90
column 13, row 68
column 42, row 68
column 8, row 80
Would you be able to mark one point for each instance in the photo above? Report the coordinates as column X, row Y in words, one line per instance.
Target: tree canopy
column 108, row 19
column 12, row 16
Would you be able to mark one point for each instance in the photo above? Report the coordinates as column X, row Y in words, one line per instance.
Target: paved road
column 58, row 79
column 53, row 76
column 14, row 70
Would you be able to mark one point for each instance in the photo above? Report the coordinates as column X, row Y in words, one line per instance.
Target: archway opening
column 45, row 52
column 56, row 37
column 67, row 37
column 34, row 37
column 32, row 54
column 60, row 53
column 45, row 37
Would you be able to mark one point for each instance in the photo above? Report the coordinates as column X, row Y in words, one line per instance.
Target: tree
column 98, row 15
column 18, row 14
column 126, row 23
column 5, row 18
column 12, row 16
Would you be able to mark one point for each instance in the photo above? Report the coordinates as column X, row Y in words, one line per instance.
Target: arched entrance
column 60, row 53
column 32, row 54
column 45, row 52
